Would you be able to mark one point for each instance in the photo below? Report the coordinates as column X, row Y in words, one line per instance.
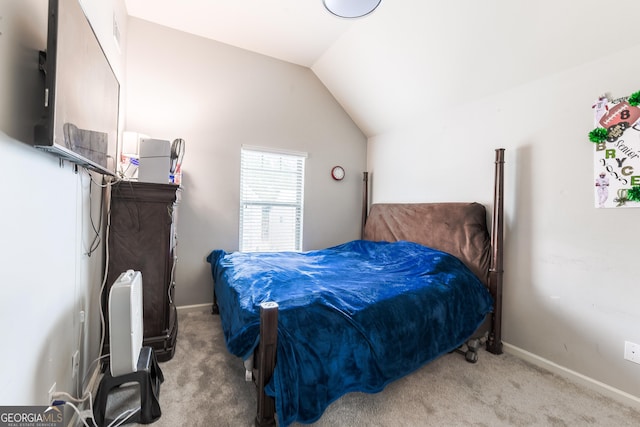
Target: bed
column 424, row 280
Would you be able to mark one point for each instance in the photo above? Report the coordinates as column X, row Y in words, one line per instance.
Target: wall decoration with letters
column 616, row 144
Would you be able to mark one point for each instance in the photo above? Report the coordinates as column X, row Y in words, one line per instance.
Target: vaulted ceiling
column 410, row 57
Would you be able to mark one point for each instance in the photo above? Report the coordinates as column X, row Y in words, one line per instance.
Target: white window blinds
column 271, row 200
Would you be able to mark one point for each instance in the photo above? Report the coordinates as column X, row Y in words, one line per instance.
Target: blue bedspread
column 353, row 317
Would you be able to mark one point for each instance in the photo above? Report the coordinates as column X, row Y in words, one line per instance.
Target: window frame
column 291, row 169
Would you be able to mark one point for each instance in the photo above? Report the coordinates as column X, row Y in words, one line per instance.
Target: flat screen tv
column 81, row 100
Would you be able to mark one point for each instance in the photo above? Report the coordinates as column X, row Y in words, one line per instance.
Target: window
column 271, row 200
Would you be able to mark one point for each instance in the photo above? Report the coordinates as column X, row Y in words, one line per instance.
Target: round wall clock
column 337, row 173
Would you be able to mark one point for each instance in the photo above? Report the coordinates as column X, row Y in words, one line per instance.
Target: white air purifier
column 125, row 322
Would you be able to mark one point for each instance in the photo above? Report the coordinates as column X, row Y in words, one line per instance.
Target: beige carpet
column 204, row 386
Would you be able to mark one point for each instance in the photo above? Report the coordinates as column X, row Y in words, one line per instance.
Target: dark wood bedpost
column 214, row 307
column 266, row 361
column 494, row 343
column 365, row 201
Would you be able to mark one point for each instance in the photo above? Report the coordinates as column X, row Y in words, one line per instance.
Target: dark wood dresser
column 143, row 238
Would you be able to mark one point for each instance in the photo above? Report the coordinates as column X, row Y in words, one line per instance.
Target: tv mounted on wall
column 81, row 100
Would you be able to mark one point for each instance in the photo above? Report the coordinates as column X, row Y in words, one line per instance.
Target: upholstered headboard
column 457, row 228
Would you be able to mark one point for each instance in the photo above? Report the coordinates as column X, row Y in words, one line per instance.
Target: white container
column 125, row 322
column 155, row 160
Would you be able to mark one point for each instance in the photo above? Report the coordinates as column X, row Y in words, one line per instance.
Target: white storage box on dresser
column 155, row 160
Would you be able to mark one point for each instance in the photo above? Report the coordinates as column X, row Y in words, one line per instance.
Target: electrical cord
column 96, row 239
column 104, row 279
column 70, row 400
column 89, row 369
column 172, row 277
column 133, row 162
column 102, row 319
column 102, row 288
column 78, row 383
column 80, row 417
column 125, row 416
column 106, row 272
column 106, row 239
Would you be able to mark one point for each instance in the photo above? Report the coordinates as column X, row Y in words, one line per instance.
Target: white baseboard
column 194, row 308
column 595, row 385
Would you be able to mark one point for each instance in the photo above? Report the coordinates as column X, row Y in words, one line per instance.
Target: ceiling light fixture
column 351, row 8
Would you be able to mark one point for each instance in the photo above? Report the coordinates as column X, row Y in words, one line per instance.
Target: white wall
column 45, row 224
column 218, row 98
column 571, row 290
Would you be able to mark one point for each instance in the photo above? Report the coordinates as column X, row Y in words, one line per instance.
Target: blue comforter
column 353, row 317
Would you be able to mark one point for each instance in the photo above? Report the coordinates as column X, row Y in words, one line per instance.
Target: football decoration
column 622, row 112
